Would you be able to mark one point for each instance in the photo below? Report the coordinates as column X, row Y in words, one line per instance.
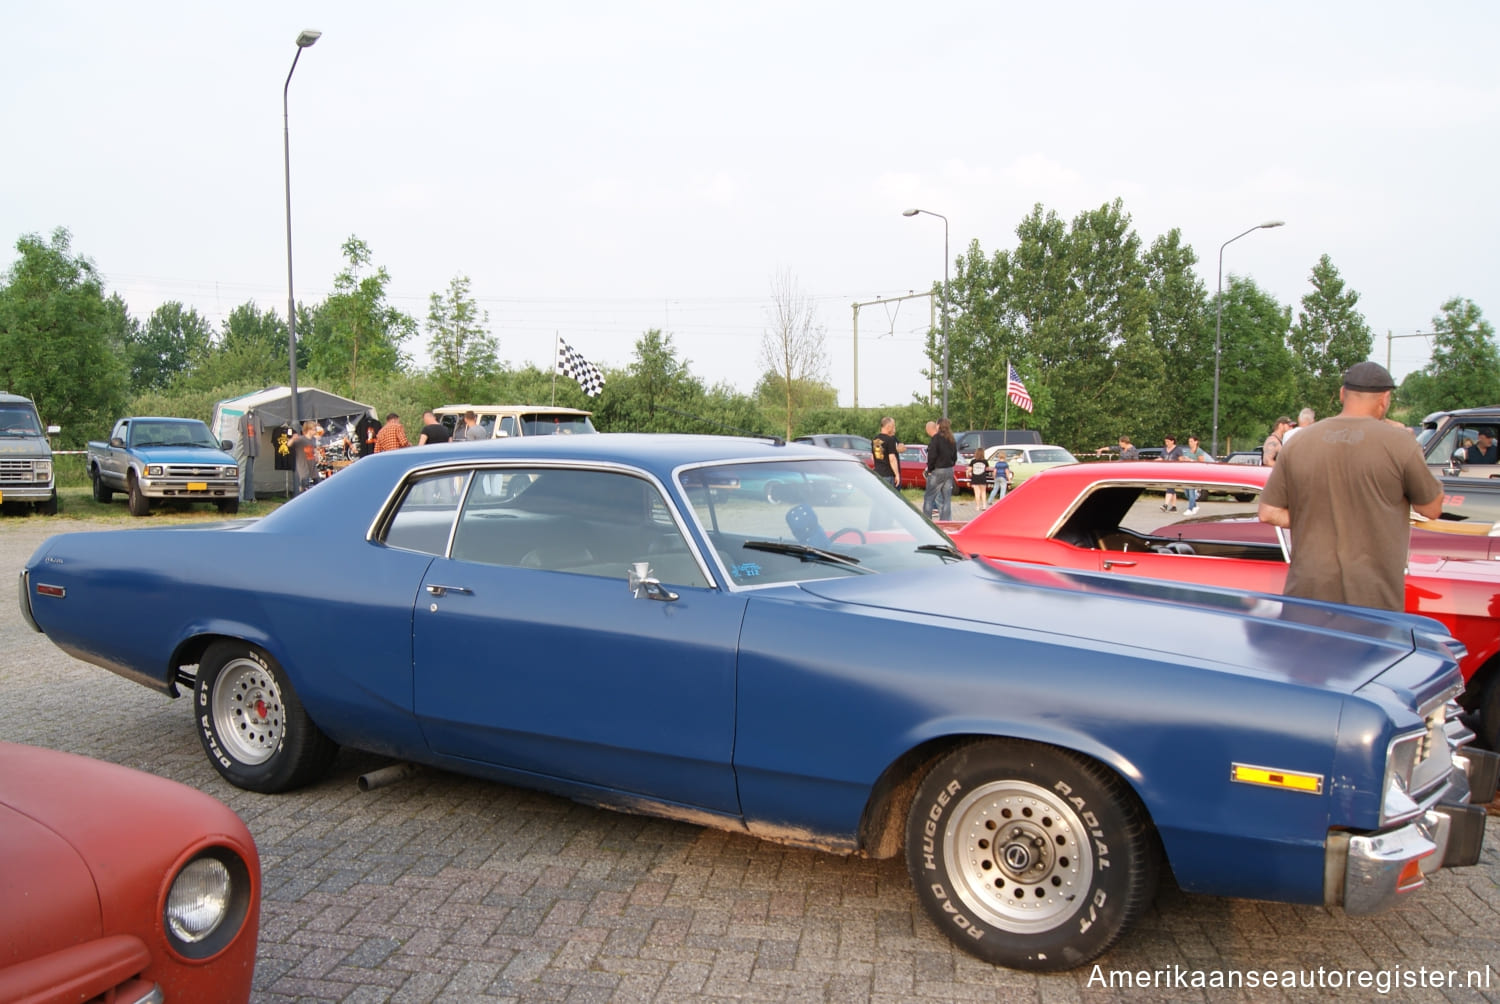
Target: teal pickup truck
column 156, row 459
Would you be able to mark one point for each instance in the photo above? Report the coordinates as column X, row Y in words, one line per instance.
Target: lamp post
column 1219, row 318
column 914, row 212
column 304, row 40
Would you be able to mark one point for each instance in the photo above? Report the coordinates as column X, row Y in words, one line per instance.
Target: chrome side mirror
column 642, row 583
column 1456, row 462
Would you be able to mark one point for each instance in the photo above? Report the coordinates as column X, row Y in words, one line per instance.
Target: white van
column 497, row 420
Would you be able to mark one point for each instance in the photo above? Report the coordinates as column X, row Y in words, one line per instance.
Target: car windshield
column 791, row 520
column 18, row 420
column 172, row 434
column 1052, row 455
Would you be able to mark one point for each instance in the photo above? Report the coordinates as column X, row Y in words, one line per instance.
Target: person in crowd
column 392, row 436
column 1197, row 453
column 1170, row 451
column 979, row 479
column 887, row 453
column 1347, row 492
column 304, row 447
column 1484, row 450
column 433, row 431
column 1305, row 417
column 1127, row 451
column 1271, row 448
column 466, row 427
column 942, row 454
column 1000, row 473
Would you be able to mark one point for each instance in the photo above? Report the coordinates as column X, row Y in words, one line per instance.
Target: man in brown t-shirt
column 1346, row 486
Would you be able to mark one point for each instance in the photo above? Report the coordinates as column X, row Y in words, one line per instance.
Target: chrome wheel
column 247, row 710
column 1021, row 856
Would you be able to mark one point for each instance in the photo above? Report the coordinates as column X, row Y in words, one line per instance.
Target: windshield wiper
column 947, row 549
column 803, row 551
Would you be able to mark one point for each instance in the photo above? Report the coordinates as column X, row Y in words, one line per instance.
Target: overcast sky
column 598, row 169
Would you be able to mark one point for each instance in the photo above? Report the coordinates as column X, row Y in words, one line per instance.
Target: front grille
column 194, row 472
column 19, row 472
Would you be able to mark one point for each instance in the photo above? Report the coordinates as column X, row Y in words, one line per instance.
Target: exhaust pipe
column 386, row 775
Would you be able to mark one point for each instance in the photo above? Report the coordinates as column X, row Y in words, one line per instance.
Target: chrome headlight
column 154, row 470
column 232, row 471
column 43, row 470
column 207, row 903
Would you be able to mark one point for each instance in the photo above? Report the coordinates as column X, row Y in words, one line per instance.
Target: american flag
column 571, row 364
column 1017, row 390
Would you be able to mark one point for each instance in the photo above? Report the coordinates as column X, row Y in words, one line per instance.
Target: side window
column 581, row 522
column 508, row 426
column 423, row 520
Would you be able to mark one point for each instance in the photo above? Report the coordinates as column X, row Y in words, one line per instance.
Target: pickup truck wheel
column 49, row 507
column 1029, row 856
column 251, row 723
column 140, row 505
column 229, row 508
column 102, row 492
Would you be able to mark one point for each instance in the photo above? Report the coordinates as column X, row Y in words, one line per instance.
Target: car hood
column 29, row 446
column 1299, row 641
column 182, row 455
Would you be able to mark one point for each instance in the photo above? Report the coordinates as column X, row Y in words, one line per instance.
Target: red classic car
column 1075, row 517
column 120, row 886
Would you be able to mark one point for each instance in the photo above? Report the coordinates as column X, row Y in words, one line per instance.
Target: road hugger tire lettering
column 1029, row 856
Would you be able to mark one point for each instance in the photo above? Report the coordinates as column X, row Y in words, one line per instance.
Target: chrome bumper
column 1368, row 873
column 28, row 493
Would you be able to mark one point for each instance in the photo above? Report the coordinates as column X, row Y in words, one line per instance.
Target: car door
column 532, row 652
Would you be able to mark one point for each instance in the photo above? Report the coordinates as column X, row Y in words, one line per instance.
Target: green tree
column 173, row 339
column 1176, row 318
column 462, row 349
column 60, row 339
column 656, row 393
column 354, row 333
column 249, row 354
column 1465, row 367
column 1257, row 381
column 792, row 345
column 1330, row 336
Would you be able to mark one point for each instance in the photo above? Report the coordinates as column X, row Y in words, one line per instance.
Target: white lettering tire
column 1029, row 856
column 251, row 723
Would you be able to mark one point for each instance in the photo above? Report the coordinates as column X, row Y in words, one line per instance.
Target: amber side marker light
column 1270, row 777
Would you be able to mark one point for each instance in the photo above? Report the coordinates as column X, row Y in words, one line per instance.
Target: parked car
column 1072, row 518
column 855, row 446
column 120, row 885
column 611, row 618
column 164, row 459
column 499, row 421
column 26, row 457
column 1024, row 461
column 1251, row 457
column 913, row 461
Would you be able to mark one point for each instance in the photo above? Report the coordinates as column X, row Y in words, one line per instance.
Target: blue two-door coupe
column 628, row 621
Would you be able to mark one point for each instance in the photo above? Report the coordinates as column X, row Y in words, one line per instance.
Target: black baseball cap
column 1369, row 377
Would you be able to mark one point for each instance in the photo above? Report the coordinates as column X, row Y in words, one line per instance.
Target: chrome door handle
column 1122, row 564
column 444, row 590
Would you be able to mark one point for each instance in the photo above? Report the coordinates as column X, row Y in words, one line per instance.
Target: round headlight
column 199, row 900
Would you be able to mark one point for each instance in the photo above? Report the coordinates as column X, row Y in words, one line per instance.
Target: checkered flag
column 571, row 364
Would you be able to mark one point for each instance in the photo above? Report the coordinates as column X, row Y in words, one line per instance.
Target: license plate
column 197, row 486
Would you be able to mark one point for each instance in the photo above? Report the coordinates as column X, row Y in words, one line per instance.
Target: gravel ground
column 446, row 888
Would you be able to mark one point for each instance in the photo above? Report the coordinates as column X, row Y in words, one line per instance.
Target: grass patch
column 78, row 503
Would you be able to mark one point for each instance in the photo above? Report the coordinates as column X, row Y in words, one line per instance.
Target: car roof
column 530, row 409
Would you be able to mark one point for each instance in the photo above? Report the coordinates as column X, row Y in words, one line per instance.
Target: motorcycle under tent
column 271, row 412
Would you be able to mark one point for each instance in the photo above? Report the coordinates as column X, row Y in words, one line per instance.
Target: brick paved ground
column 442, row 888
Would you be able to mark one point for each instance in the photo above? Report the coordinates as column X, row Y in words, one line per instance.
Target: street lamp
column 304, row 40
column 1219, row 318
column 913, row 212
